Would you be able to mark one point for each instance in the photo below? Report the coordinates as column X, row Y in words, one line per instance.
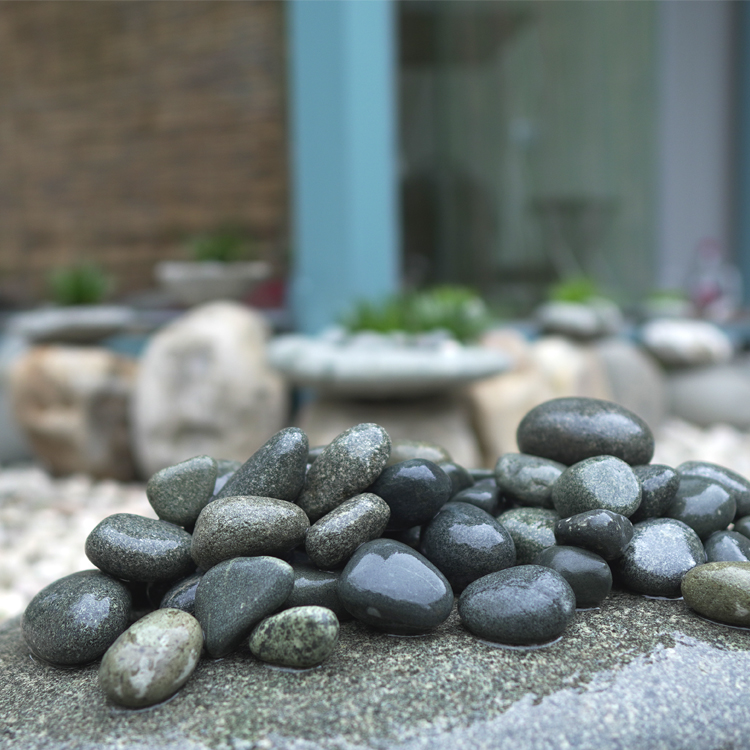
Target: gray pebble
column 659, row 485
column 734, row 483
column 600, row 531
column 460, row 477
column 742, row 526
column 532, row 530
column 526, row 479
column 727, row 546
column 225, row 468
column 587, row 573
column 405, row 450
column 720, row 591
column 182, row 594
column 316, row 587
column 703, row 504
column 180, row 492
column 484, row 494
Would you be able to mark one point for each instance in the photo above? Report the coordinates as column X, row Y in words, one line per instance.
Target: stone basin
column 636, row 673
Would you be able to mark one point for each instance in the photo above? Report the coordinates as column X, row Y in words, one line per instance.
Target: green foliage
column 455, row 309
column 225, row 245
column 79, row 284
column 574, row 289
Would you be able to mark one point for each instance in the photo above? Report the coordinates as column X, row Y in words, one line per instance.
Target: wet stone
column 316, row 587
column 347, row 467
column 136, row 548
column 225, row 468
column 601, row 482
column 405, row 450
column 182, row 594
column 485, row 494
column 659, row 485
column 415, row 490
column 247, row 527
column 332, row 540
column 301, row 637
column 720, row 591
column 525, row 605
column 572, row 428
column 727, row 546
column 180, row 492
column 276, row 469
column 603, row 532
column 703, row 504
column 480, row 475
column 411, row 537
column 460, row 477
column 734, row 483
column 152, row 659
column 532, row 530
column 527, row 480
column 465, row 543
column 77, row 618
column 587, row 573
column 391, row 587
column 236, row 594
column 661, row 552
column 742, row 526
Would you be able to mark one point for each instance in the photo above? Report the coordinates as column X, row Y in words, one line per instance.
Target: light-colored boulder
column 683, row 342
column 598, row 317
column 72, row 404
column 204, row 388
column 78, row 324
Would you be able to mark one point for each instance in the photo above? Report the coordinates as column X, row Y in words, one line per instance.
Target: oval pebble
column 734, row 483
column 659, row 485
column 527, row 480
column 182, row 594
column 460, row 477
column 587, row 573
column 484, row 494
column 600, row 531
column 742, row 526
column 720, row 591
column 532, row 530
column 316, row 587
column 704, row 505
column 727, row 546
column 152, row 659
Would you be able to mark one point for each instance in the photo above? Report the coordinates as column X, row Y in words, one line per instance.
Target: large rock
column 687, row 342
column 72, row 404
column 204, row 387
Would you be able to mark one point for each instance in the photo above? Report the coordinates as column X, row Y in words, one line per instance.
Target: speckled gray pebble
column 136, row 548
column 532, row 530
column 659, row 485
column 527, row 479
column 77, row 618
column 332, row 540
column 180, row 492
column 661, row 552
column 300, row 637
column 602, row 482
column 573, row 428
column 727, row 546
column 152, row 659
column 459, row 476
column 236, row 594
column 182, row 594
column 316, row 587
column 587, row 573
column 600, row 531
column 720, row 591
column 391, row 587
column 246, row 527
column 703, row 504
column 524, row 605
column 276, row 469
column 405, row 450
column 737, row 485
column 348, row 466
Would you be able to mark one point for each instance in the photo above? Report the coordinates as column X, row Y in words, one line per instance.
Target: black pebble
column 587, row 573
column 600, row 531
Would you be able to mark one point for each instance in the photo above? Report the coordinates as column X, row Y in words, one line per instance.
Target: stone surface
column 532, row 530
column 683, row 342
column 737, row 485
column 600, row 531
column 236, row 594
column 587, row 573
column 524, row 605
column 661, row 552
column 704, row 505
column 135, row 548
column 72, row 406
column 225, row 468
column 179, row 493
column 152, row 659
column 182, row 594
column 300, row 637
column 569, row 319
column 75, row 324
column 348, row 465
column 75, row 619
column 389, row 586
column 727, row 546
column 571, row 429
column 742, row 526
column 204, row 388
column 720, row 591
column 659, row 485
column 246, row 527
column 276, row 469
column 484, row 494
column 405, row 450
column 316, row 587
column 600, row 482
column 459, row 476
column 527, row 479
column 332, row 540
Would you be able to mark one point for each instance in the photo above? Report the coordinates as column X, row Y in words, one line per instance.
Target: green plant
column 574, row 289
column 79, row 284
column 225, row 245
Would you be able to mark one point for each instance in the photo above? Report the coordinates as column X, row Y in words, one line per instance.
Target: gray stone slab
column 636, row 673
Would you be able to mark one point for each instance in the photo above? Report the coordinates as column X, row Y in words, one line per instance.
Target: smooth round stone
column 484, row 495
column 601, row 482
column 182, row 594
column 405, row 450
column 152, row 659
column 720, row 591
column 77, row 618
column 236, row 594
column 704, row 505
column 661, row 552
column 459, row 476
column 532, row 530
column 316, row 587
column 393, row 588
column 411, row 537
column 520, row 606
column 602, row 532
column 136, row 548
column 180, row 492
column 573, row 428
column 734, row 483
column 588, row 574
column 332, row 540
column 742, row 526
column 276, row 469
column 659, row 485
column 727, row 546
column 480, row 475
column 247, row 527
column 415, row 490
column 465, row 543
column 225, row 468
column 347, row 466
column 300, row 637
column 526, row 479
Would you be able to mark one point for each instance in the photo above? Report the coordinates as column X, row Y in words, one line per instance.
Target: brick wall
column 125, row 126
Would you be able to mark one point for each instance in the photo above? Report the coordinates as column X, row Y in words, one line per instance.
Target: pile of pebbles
column 272, row 554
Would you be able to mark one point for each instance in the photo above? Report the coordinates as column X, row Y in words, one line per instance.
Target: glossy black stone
column 603, row 532
column 459, row 476
column 415, row 490
column 703, row 504
column 179, row 493
column 485, row 494
column 532, row 530
column 527, row 480
column 411, row 537
column 479, row 475
column 734, row 483
column 392, row 587
column 313, row 587
column 587, row 573
column 182, row 594
column 659, row 485
column 572, row 428
column 742, row 526
column 727, row 546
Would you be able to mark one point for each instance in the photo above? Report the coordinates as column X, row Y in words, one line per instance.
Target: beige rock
column 72, row 404
column 204, row 388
